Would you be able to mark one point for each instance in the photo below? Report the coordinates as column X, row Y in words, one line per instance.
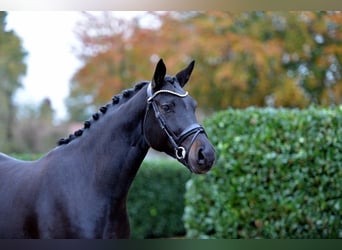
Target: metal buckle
column 180, row 153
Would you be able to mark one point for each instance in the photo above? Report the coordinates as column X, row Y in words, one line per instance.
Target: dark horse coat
column 79, row 189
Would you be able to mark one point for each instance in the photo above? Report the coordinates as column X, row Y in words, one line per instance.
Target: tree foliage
column 289, row 59
column 12, row 68
column 35, row 131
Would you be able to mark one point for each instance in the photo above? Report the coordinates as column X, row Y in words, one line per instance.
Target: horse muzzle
column 201, row 156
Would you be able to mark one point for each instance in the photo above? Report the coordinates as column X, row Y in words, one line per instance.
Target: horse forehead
column 187, row 100
column 171, row 83
column 170, row 78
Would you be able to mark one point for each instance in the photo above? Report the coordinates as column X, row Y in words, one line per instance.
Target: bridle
column 193, row 130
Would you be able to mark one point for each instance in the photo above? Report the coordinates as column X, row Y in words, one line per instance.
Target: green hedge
column 156, row 199
column 278, row 174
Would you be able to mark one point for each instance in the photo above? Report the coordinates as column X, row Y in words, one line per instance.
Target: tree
column 35, row 131
column 12, row 68
column 285, row 57
column 282, row 59
column 46, row 111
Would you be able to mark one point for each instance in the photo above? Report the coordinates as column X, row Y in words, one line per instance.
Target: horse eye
column 166, row 107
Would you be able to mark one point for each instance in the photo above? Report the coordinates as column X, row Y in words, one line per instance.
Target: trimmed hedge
column 156, row 199
column 278, row 174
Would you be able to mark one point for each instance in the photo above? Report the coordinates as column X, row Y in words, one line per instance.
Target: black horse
column 79, row 189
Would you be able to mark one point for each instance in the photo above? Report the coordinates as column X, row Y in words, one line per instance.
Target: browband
column 151, row 96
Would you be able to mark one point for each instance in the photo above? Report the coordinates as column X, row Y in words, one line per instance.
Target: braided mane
column 116, row 100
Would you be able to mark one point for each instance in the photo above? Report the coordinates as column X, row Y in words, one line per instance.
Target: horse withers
column 79, row 189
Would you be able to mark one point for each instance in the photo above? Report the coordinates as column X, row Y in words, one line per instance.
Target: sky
column 48, row 38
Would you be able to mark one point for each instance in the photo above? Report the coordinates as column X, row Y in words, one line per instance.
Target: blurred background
column 277, row 59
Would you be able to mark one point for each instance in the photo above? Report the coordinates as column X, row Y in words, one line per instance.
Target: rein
column 194, row 129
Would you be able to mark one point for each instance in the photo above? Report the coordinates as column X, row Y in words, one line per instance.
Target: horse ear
column 159, row 75
column 184, row 75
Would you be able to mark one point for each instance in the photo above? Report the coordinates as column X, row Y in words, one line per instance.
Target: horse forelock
column 117, row 100
column 172, row 83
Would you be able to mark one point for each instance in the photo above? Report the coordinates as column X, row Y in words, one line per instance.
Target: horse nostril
column 200, row 157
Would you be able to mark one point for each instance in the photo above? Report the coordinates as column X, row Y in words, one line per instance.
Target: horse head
column 171, row 125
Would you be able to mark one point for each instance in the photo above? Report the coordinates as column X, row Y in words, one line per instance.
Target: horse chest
column 76, row 218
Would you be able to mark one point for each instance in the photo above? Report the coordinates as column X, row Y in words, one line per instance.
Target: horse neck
column 112, row 149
